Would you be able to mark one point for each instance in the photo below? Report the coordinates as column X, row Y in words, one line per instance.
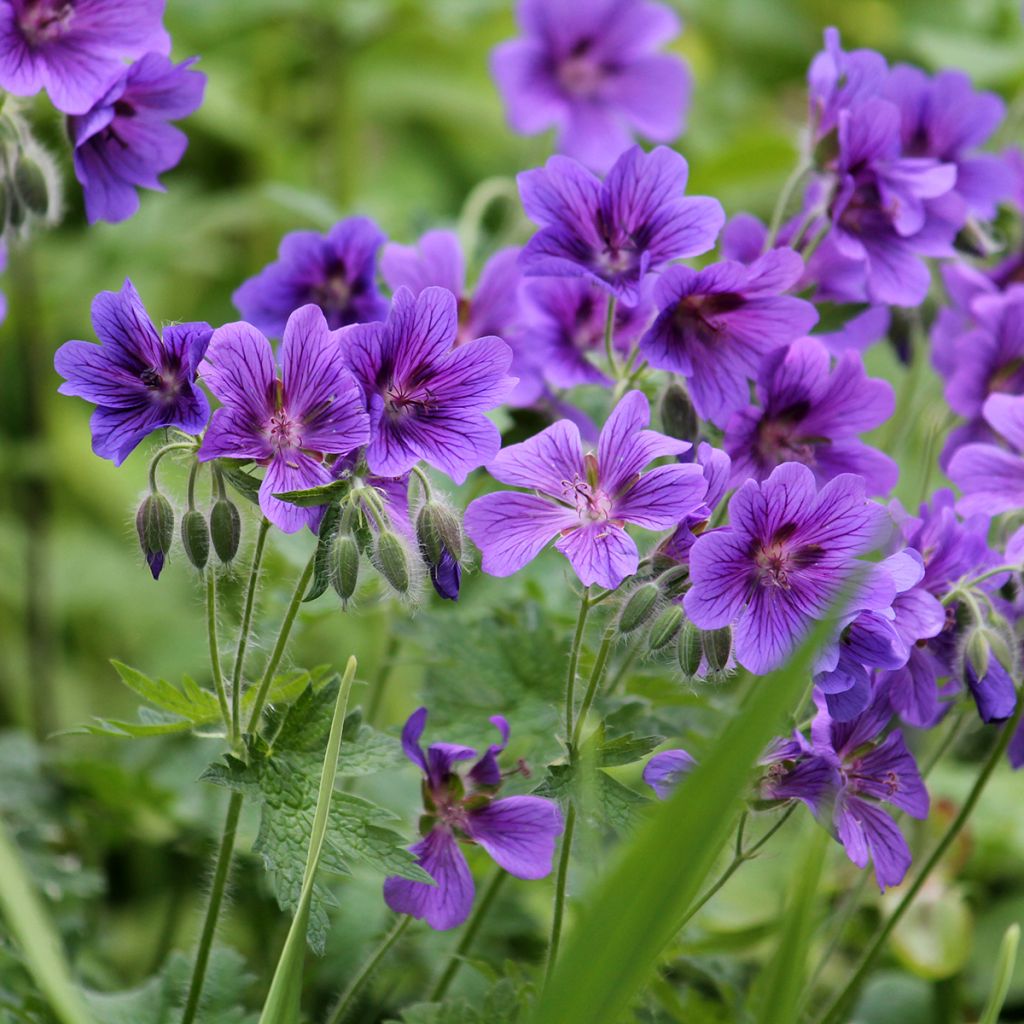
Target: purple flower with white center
column 518, row 832
column 812, row 412
column 617, row 231
column 72, row 48
column 336, row 271
column 493, row 309
column 427, row 398
column 564, row 319
column 286, row 423
column 837, row 80
column 124, row 141
column 138, row 379
column 585, row 500
column 883, row 210
column 716, row 325
column 781, row 564
column 945, row 117
column 886, row 773
column 990, row 477
column 663, row 771
column 715, row 466
column 592, row 71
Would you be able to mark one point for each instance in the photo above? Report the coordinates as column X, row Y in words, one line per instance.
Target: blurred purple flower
column 990, row 477
column 664, row 770
column 593, row 72
column 139, row 380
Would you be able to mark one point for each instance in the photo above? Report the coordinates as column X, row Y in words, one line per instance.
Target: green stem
column 609, row 336
column 971, row 583
column 355, row 986
column 465, row 943
column 220, row 878
column 177, row 446
column 835, row 1009
column 211, row 635
column 282, row 641
column 596, row 675
column 245, row 631
column 423, row 480
column 627, row 664
column 779, row 213
column 574, row 660
column 560, row 882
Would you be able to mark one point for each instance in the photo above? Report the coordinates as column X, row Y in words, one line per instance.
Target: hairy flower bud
column 195, row 538
column 225, row 528
column 978, row 652
column 343, row 565
column 678, row 417
column 666, row 628
column 717, row 647
column 155, row 525
column 30, row 184
column 638, row 608
column 690, row 649
column 673, row 580
column 438, row 530
column 391, row 560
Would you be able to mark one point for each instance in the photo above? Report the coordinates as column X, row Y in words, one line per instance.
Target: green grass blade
column 634, row 913
column 284, row 998
column 27, row 918
column 1003, row 976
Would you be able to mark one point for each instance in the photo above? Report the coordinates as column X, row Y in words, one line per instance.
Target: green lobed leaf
column 602, row 800
column 247, row 485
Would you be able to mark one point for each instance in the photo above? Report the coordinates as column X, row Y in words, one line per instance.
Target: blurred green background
column 316, row 109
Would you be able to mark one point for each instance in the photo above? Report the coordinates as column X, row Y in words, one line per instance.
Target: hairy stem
column 609, row 336
column 782, row 203
column 438, row 992
column 245, row 631
column 355, row 986
column 596, row 675
column 220, row 878
column 574, row 661
column 560, row 882
column 211, row 635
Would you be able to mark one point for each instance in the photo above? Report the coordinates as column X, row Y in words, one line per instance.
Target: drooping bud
column 673, row 580
column 438, row 530
column 690, row 649
column 391, row 560
column 718, row 647
column 225, row 528
column 978, row 652
column 30, row 184
column 638, row 608
column 666, row 628
column 195, row 538
column 678, row 417
column 155, row 525
column 343, row 565
column 446, row 577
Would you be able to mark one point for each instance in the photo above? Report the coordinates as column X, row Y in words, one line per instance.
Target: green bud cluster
column 29, row 178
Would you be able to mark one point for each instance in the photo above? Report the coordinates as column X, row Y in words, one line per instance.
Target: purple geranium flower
column 493, row 308
column 663, row 771
column 73, row 49
column 124, row 141
column 139, row 380
column 286, row 423
column 427, row 399
column 836, row 80
column 519, row 832
column 784, row 559
column 812, row 412
column 715, row 466
column 592, row 71
column 585, row 499
column 564, row 319
column 716, row 325
column 336, row 271
column 617, row 231
column 992, row 478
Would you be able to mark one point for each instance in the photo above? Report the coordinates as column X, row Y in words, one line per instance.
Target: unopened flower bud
column 718, row 647
column 639, row 607
column 30, row 183
column 225, row 528
column 978, row 652
column 690, row 649
column 155, row 524
column 195, row 537
column 666, row 628
column 678, row 417
column 3, row 206
column 673, row 580
column 391, row 560
column 437, row 531
column 343, row 565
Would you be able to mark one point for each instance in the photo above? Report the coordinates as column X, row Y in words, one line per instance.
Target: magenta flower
column 812, row 412
column 990, row 477
column 492, row 309
column 519, row 832
column 784, row 559
column 615, row 232
column 336, row 271
column 139, row 380
column 716, row 325
column 585, row 500
column 427, row 398
column 593, row 72
column 73, row 49
column 286, row 423
column 124, row 141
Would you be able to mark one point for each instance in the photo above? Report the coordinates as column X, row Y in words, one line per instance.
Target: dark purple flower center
column 465, row 313
column 778, row 558
column 703, row 313
column 579, row 74
column 779, row 440
column 334, row 293
column 164, row 383
column 43, row 21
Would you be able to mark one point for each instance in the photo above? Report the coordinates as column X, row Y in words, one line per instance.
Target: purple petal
column 663, row 497
column 445, row 905
column 624, row 447
column 600, row 553
column 519, row 832
column 663, row 771
column 545, row 462
column 867, row 832
column 436, row 260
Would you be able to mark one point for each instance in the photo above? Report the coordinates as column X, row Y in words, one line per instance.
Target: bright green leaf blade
column 28, row 921
column 1003, row 976
column 634, row 913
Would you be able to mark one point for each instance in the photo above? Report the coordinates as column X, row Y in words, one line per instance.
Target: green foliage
column 506, row 1002
column 282, row 772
